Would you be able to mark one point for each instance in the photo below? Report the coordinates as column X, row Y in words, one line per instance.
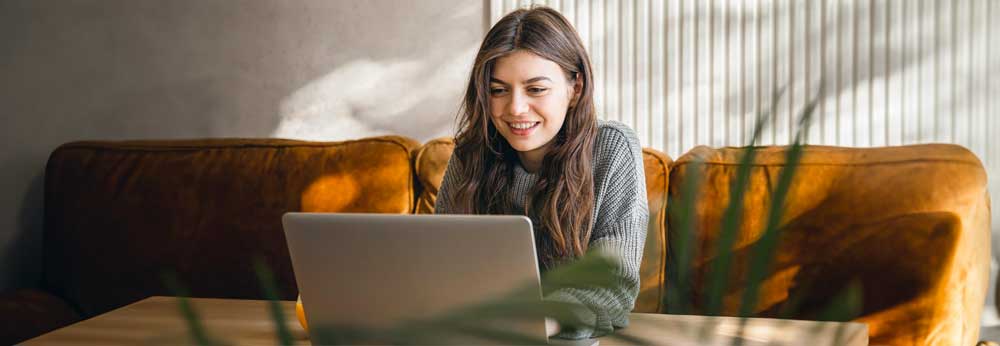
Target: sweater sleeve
column 619, row 230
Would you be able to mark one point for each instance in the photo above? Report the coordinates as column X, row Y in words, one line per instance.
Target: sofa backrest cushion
column 119, row 215
column 909, row 224
column 431, row 160
column 429, row 163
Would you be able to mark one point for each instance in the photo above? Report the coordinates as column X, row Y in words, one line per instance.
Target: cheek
column 554, row 110
column 496, row 108
column 496, row 117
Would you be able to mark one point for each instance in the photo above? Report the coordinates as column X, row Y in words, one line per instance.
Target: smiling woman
column 531, row 112
column 529, row 143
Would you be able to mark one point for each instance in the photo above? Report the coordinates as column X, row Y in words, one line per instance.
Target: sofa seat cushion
column 909, row 224
column 431, row 160
column 120, row 215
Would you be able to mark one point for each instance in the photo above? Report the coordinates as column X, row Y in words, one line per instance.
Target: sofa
column 910, row 224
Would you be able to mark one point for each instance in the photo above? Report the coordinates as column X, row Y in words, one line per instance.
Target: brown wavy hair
column 563, row 198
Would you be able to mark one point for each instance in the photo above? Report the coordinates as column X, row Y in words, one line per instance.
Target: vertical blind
column 882, row 72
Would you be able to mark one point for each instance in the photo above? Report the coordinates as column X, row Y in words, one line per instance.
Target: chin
column 524, row 146
column 527, row 143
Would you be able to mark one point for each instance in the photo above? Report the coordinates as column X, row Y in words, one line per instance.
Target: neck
column 531, row 160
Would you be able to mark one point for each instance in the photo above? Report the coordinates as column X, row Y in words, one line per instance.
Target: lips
column 523, row 128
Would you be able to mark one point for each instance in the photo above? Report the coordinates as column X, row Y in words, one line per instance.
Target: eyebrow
column 529, row 81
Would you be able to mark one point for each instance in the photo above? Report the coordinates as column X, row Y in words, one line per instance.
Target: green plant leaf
column 349, row 335
column 733, row 216
column 681, row 249
column 763, row 250
column 195, row 326
column 795, row 298
column 846, row 305
column 593, row 269
column 266, row 279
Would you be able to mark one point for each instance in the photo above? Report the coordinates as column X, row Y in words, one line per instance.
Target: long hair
column 563, row 197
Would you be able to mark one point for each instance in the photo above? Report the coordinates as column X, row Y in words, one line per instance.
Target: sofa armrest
column 28, row 313
column 922, row 275
column 909, row 225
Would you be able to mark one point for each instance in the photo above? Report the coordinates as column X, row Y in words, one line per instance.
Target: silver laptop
column 365, row 273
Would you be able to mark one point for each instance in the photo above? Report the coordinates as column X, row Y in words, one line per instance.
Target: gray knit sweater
column 620, row 221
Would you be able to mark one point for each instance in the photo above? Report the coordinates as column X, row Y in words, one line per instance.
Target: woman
column 529, row 143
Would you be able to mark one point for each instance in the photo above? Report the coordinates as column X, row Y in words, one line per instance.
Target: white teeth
column 522, row 126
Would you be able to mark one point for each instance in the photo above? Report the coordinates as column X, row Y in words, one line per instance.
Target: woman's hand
column 551, row 327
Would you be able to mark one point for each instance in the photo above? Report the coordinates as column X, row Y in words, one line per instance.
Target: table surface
column 157, row 321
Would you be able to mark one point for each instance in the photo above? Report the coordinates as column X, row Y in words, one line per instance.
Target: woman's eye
column 496, row 91
column 537, row 90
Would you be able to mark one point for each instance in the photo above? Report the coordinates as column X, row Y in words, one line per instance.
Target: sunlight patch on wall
column 364, row 98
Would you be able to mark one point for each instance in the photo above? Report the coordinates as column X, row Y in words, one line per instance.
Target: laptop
column 365, row 273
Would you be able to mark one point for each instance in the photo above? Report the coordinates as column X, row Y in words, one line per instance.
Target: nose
column 518, row 104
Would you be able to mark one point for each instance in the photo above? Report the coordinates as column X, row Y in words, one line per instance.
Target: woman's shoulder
column 612, row 134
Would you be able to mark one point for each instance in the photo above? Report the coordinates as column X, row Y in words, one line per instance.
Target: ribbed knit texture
column 620, row 221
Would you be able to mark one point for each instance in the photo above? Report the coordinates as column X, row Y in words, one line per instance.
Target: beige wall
column 119, row 69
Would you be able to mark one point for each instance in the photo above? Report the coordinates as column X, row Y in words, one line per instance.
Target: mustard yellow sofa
column 910, row 224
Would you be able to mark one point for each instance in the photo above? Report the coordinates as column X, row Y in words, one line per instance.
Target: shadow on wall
column 24, row 248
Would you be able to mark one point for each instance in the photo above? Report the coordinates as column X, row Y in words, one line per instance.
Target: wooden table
column 157, row 321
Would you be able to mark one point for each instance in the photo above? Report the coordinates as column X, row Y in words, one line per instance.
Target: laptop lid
column 379, row 270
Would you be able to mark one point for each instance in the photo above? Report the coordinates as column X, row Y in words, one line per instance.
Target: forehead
column 521, row 65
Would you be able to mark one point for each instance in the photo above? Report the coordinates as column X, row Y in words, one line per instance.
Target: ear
column 576, row 88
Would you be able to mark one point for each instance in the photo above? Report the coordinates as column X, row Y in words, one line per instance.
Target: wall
column 125, row 69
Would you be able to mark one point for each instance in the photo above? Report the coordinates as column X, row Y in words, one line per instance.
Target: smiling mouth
column 523, row 125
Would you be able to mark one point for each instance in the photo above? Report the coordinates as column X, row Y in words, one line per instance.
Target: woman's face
column 529, row 97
